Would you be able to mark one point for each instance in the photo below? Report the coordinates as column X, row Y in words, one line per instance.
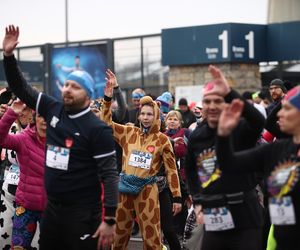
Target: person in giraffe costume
column 145, row 149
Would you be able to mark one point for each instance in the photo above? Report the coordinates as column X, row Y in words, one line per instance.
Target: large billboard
column 218, row 43
column 90, row 58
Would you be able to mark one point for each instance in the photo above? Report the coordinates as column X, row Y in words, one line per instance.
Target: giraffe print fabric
column 144, row 205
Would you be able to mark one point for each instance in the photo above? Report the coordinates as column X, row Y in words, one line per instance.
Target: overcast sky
column 43, row 21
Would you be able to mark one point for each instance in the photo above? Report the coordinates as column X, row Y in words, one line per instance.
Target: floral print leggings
column 24, row 227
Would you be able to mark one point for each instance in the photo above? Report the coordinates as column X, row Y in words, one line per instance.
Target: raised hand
column 112, row 77
column 219, row 84
column 230, row 117
column 18, row 106
column 111, row 82
column 108, row 90
column 10, row 40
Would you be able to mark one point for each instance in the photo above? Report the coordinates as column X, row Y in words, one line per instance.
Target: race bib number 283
column 217, row 219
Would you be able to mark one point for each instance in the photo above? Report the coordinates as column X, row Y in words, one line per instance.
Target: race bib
column 13, row 175
column 217, row 219
column 57, row 157
column 140, row 159
column 282, row 211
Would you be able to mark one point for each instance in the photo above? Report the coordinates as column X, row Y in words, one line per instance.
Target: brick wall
column 240, row 76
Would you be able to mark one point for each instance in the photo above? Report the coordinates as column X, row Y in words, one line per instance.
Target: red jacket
column 179, row 149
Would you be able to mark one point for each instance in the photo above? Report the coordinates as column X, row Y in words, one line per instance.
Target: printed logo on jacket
column 280, row 183
column 283, row 178
column 208, row 171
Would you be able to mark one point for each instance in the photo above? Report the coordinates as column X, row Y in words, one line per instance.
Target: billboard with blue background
column 91, row 58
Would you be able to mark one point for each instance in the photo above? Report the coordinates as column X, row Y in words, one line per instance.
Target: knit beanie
column 279, row 83
column 84, row 79
column 183, row 101
column 137, row 93
column 164, row 100
column 293, row 97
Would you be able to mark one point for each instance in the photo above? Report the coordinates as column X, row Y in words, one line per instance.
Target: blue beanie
column 164, row 100
column 84, row 79
column 137, row 95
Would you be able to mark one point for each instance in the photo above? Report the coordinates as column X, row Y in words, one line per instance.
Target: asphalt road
column 135, row 244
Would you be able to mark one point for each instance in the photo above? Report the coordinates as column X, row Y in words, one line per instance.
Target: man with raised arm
column 231, row 209
column 80, row 154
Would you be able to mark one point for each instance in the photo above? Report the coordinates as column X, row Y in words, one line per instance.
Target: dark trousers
column 167, row 220
column 69, row 226
column 235, row 239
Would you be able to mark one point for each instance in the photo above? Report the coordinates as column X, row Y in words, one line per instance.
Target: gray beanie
column 278, row 82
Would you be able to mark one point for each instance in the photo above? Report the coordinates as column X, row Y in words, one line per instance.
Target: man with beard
column 232, row 213
column 80, row 155
column 277, row 91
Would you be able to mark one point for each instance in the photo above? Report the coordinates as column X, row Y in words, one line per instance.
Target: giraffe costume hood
column 143, row 154
column 155, row 126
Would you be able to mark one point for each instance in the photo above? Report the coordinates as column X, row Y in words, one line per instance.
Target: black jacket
column 201, row 163
column 275, row 161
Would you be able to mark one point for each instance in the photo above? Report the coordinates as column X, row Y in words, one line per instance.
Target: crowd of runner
column 84, row 173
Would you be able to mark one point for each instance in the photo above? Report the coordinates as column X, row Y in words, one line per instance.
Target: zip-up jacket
column 30, row 151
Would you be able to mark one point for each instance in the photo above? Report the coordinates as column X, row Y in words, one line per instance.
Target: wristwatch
column 110, row 221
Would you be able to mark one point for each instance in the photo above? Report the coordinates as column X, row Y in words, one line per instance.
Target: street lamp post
column 67, row 25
